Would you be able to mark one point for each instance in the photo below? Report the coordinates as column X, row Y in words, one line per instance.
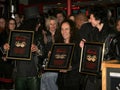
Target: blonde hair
column 48, row 21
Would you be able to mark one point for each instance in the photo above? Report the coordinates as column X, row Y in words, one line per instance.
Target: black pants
column 27, row 83
column 93, row 83
column 69, row 88
column 6, row 70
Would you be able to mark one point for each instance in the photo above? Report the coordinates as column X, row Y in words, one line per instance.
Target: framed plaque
column 20, row 44
column 91, row 58
column 60, row 58
column 111, row 76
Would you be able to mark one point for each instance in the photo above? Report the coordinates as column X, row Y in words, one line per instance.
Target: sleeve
column 111, row 54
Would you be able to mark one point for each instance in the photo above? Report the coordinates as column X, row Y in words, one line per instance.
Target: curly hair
column 48, row 21
column 100, row 13
column 72, row 30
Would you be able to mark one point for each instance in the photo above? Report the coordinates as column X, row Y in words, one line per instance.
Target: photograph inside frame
column 91, row 57
column 20, row 44
column 60, row 57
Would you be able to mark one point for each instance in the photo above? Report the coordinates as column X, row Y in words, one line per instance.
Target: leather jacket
column 114, row 48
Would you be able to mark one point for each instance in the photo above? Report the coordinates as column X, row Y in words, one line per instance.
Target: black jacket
column 29, row 68
column 99, row 36
column 84, row 31
column 114, row 48
column 103, row 36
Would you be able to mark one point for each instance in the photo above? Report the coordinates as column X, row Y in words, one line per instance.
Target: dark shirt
column 99, row 36
column 85, row 29
column 72, row 77
column 29, row 68
column 103, row 36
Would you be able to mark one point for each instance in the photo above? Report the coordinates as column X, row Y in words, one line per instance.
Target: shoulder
column 86, row 25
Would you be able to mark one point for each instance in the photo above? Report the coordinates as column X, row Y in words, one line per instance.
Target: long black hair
column 100, row 13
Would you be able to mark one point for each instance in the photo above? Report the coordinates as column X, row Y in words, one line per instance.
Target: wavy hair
column 72, row 31
column 100, row 13
column 48, row 21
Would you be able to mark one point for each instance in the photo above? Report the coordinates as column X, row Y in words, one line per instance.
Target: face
column 17, row 18
column 65, row 31
column 60, row 17
column 2, row 23
column 79, row 21
column 72, row 18
column 53, row 25
column 11, row 25
column 118, row 26
column 93, row 21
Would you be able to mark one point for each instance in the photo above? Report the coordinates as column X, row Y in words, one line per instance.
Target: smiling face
column 93, row 21
column 65, row 31
column 53, row 26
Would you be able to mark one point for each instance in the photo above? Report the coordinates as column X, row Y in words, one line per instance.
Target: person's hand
column 6, row 46
column 4, row 58
column 82, row 43
column 65, row 71
column 34, row 48
column 49, row 53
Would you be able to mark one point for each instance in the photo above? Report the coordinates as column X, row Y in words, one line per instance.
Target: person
column 48, row 79
column 18, row 18
column 60, row 15
column 71, row 17
column 5, row 73
column 2, row 24
column 69, row 79
column 26, row 75
column 117, row 27
column 101, row 32
column 80, row 19
column 111, row 19
column 114, row 48
column 10, row 25
column 2, row 28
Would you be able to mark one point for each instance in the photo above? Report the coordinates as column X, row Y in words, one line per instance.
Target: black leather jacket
column 114, row 48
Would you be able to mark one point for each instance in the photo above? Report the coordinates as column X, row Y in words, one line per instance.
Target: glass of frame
column 91, row 58
column 111, row 75
column 20, row 44
column 60, row 58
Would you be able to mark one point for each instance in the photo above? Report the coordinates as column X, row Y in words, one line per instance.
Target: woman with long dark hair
column 69, row 79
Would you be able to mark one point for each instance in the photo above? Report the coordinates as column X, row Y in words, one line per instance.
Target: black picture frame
column 60, row 58
column 20, row 42
column 91, row 57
